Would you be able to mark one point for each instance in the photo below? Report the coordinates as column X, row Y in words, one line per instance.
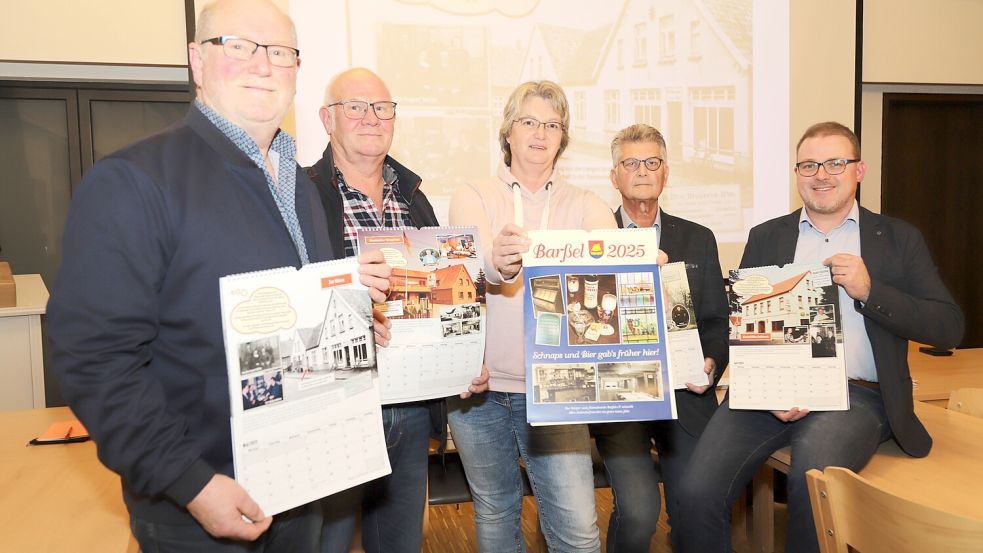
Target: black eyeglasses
column 356, row 109
column 243, row 49
column 631, row 164
column 532, row 124
column 832, row 166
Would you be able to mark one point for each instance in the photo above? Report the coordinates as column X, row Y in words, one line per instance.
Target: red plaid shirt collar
column 360, row 213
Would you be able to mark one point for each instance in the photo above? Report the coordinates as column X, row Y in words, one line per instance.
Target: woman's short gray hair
column 554, row 96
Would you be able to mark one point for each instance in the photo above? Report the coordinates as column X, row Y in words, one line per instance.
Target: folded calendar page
column 595, row 329
column 683, row 332
column 306, row 414
column 786, row 339
column 436, row 305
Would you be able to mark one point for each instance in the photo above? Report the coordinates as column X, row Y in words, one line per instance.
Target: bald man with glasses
column 134, row 319
column 362, row 187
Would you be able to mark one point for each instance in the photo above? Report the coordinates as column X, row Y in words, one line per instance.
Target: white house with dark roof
column 346, row 340
column 343, row 340
column 683, row 67
column 787, row 304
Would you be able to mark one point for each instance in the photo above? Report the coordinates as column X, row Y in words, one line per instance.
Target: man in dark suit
column 640, row 173
column 890, row 294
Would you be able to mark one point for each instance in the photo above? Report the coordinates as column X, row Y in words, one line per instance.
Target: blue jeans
column 491, row 433
column 391, row 506
column 634, row 477
column 736, row 443
column 296, row 530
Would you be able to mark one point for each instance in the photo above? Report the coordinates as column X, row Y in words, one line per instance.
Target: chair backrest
column 850, row 510
column 968, row 401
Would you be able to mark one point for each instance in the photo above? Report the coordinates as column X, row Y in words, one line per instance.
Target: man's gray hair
column 639, row 132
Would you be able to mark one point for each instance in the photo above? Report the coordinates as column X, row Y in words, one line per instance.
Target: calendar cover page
column 436, row 305
column 683, row 332
column 786, row 339
column 595, row 330
column 306, row 412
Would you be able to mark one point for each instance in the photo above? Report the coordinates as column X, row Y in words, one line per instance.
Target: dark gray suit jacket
column 695, row 245
column 907, row 301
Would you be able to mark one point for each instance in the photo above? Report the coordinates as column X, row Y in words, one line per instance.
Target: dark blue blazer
column 134, row 319
column 695, row 245
column 908, row 301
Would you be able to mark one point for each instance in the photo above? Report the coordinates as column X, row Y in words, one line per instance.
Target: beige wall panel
column 148, row 32
column 821, row 73
column 912, row 41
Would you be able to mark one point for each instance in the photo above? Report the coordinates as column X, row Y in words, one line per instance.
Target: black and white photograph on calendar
column 823, row 340
column 451, row 329
column 259, row 354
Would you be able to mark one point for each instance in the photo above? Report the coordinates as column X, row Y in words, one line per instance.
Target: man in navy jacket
column 134, row 318
column 889, row 292
column 640, row 173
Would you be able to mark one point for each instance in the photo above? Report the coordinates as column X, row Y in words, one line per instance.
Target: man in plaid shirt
column 361, row 186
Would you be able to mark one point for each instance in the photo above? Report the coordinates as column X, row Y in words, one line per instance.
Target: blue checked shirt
column 283, row 150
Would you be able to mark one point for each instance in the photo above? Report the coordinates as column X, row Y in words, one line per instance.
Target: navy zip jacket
column 134, row 318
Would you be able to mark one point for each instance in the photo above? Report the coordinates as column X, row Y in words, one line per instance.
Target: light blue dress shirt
column 814, row 245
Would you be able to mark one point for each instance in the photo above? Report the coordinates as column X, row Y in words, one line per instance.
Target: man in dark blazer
column 640, row 173
column 890, row 294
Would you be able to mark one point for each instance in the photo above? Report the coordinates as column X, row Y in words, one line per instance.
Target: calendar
column 786, row 339
column 683, row 334
column 436, row 305
column 595, row 328
column 306, row 413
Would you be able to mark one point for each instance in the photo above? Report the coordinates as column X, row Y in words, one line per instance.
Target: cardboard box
column 8, row 288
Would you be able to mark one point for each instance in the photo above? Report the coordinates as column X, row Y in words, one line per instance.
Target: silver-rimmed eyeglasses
column 532, row 124
column 832, row 166
column 243, row 49
column 631, row 164
column 356, row 109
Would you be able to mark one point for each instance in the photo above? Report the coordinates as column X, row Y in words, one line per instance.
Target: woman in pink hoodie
column 490, row 430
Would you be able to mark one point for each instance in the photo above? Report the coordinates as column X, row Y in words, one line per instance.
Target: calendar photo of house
column 436, row 304
column 343, row 341
column 791, row 302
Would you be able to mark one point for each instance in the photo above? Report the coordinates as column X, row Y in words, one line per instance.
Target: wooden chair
column 968, row 401
column 851, row 511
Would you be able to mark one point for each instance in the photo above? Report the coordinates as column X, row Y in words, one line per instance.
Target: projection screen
column 712, row 75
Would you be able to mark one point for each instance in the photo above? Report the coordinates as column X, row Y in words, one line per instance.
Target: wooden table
column 944, row 479
column 57, row 498
column 21, row 356
column 936, row 377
